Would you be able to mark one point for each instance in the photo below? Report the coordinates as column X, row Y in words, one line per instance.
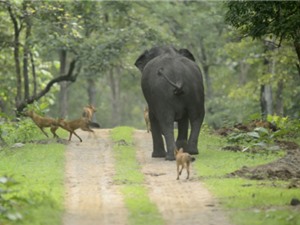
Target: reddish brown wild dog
column 183, row 159
column 146, row 117
column 43, row 122
column 88, row 112
column 71, row 126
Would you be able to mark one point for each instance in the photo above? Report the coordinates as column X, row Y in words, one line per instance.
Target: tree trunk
column 244, row 68
column 26, row 52
column 33, row 75
column 115, row 97
column 266, row 100
column 279, row 98
column 16, row 42
column 297, row 48
column 63, row 94
column 205, row 66
column 266, row 96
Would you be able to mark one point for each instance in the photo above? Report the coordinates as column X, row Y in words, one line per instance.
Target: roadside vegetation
column 31, row 180
column 128, row 174
column 248, row 201
column 31, row 184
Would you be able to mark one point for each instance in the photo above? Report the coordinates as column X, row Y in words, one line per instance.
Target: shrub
column 9, row 202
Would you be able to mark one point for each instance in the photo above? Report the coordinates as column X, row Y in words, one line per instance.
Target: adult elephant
column 173, row 88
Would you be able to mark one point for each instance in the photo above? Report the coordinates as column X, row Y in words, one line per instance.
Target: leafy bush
column 14, row 132
column 264, row 138
column 287, row 126
column 260, row 137
column 9, row 202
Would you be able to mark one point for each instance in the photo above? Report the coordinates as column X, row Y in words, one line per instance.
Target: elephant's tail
column 178, row 86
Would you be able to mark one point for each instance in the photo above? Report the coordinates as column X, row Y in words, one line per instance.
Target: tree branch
column 68, row 77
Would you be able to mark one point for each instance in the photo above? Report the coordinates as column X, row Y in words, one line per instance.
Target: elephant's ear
column 186, row 53
column 141, row 62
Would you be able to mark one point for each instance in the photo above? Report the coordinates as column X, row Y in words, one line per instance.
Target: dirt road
column 93, row 199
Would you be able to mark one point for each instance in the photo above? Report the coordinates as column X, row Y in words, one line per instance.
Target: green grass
column 249, row 201
column 39, row 169
column 141, row 210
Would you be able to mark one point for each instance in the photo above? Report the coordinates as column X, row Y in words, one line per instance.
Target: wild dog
column 83, row 123
column 88, row 112
column 43, row 122
column 183, row 159
column 146, row 117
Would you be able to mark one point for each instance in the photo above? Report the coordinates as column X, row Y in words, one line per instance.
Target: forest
column 58, row 56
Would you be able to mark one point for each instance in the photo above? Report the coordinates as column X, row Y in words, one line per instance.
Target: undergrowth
column 265, row 202
column 32, row 184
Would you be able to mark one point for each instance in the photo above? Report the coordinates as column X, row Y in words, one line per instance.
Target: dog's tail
column 94, row 125
column 192, row 159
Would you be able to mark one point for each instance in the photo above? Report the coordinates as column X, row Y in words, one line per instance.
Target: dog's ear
column 175, row 151
column 181, row 150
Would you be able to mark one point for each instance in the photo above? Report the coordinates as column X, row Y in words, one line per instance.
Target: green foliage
column 9, row 202
column 39, row 171
column 247, row 201
column 259, row 138
column 288, row 127
column 265, row 138
column 265, row 18
column 16, row 132
column 106, row 38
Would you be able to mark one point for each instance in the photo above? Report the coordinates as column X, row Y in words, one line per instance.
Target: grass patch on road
column 249, row 201
column 39, row 171
column 128, row 174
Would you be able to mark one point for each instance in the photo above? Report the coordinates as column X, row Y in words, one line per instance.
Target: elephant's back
column 179, row 70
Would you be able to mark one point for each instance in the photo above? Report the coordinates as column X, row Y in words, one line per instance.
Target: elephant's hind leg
column 193, row 139
column 183, row 126
column 158, row 143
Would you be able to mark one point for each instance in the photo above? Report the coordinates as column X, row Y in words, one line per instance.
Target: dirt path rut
column 93, row 199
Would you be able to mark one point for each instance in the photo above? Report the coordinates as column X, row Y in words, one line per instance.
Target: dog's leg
column 177, row 171
column 53, row 129
column 77, row 136
column 188, row 170
column 182, row 166
column 70, row 136
column 43, row 131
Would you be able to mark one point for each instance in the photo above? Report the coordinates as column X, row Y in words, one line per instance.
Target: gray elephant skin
column 172, row 85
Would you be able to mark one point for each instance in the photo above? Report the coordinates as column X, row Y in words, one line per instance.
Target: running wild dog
column 146, row 117
column 88, row 112
column 83, row 123
column 183, row 159
column 43, row 122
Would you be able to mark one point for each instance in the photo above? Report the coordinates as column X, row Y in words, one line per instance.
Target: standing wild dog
column 43, row 122
column 88, row 112
column 183, row 159
column 146, row 117
column 83, row 123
